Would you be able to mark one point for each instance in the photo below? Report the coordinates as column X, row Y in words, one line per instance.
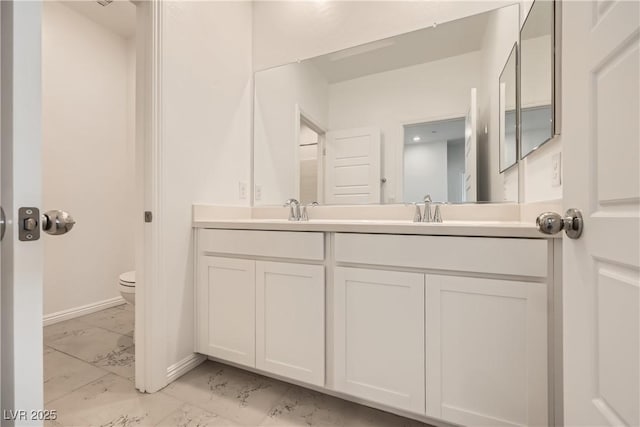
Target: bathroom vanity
column 449, row 321
column 452, row 323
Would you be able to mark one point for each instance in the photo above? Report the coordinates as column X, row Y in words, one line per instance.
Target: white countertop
column 447, row 228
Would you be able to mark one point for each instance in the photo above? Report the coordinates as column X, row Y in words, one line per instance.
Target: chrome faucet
column 305, row 216
column 294, row 209
column 427, row 209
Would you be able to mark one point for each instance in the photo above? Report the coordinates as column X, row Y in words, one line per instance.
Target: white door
column 470, row 141
column 379, row 336
column 22, row 261
column 486, row 351
column 601, row 283
column 352, row 166
column 290, row 320
column 226, row 329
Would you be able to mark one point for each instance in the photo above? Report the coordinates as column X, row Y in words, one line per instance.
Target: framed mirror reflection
column 390, row 121
column 508, row 98
column 537, row 69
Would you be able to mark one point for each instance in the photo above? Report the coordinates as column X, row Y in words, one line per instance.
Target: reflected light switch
column 556, row 170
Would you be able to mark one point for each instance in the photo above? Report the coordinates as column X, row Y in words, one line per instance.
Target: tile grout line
column 288, row 388
column 93, row 364
column 77, row 388
column 86, row 361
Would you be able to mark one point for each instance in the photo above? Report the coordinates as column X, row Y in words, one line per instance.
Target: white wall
column 87, row 74
column 426, row 92
column 425, row 171
column 538, row 171
column 278, row 91
column 206, row 108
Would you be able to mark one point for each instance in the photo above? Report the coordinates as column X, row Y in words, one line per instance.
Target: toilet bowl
column 127, row 286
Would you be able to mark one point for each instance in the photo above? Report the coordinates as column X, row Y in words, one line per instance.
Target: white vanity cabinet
column 290, row 320
column 449, row 328
column 379, row 336
column 486, row 351
column 263, row 314
column 226, row 309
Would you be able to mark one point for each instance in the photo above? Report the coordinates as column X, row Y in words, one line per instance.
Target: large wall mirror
column 390, row 121
column 508, row 111
column 537, row 69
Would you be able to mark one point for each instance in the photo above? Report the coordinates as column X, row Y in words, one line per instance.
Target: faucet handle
column 304, row 216
column 417, row 215
column 437, row 215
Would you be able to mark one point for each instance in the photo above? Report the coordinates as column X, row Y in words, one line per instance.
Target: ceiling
column 449, row 130
column 417, row 47
column 119, row 16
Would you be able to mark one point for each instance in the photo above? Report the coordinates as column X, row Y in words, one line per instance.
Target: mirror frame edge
column 557, row 67
column 556, row 32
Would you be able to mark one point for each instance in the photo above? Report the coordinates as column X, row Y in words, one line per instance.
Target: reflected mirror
column 508, row 102
column 536, row 77
column 389, row 121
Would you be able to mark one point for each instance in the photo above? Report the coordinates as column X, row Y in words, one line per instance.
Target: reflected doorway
column 310, row 161
column 434, row 160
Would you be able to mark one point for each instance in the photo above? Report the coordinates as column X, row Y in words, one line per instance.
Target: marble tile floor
column 88, row 380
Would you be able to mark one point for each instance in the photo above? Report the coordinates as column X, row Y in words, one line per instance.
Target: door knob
column 57, row 222
column 552, row 223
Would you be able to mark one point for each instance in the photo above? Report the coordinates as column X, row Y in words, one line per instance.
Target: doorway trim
column 317, row 127
column 150, row 321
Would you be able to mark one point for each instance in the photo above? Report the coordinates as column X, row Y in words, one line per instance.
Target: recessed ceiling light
column 416, row 139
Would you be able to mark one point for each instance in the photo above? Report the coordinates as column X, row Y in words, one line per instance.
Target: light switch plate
column 556, row 170
column 242, row 190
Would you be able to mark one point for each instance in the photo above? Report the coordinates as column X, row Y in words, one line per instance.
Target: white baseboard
column 72, row 313
column 180, row 368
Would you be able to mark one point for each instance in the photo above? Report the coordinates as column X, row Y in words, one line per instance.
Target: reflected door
column 353, row 166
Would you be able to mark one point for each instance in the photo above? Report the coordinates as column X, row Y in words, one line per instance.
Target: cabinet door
column 290, row 320
column 486, row 351
column 379, row 336
column 226, row 309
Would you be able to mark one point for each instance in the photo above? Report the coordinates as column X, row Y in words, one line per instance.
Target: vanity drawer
column 518, row 257
column 272, row 244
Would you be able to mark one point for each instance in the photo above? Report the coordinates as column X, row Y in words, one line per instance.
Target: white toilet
column 127, row 286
